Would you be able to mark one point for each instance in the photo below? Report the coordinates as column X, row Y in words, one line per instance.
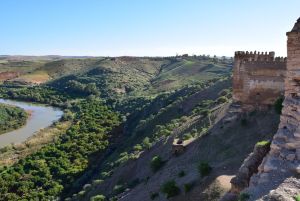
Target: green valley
column 119, row 112
column 149, row 100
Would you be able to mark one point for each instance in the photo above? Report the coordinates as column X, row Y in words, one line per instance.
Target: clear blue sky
column 144, row 27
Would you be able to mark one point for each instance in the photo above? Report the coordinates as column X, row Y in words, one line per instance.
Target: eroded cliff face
column 278, row 176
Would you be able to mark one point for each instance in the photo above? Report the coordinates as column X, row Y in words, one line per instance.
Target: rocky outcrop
column 249, row 167
column 287, row 191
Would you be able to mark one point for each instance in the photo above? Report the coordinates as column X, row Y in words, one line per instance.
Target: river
column 41, row 117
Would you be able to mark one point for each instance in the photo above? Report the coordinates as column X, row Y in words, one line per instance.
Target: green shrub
column 205, row 112
column 123, row 157
column 204, row 169
column 97, row 182
column 146, row 143
column 138, row 148
column 68, row 115
column 181, row 173
column 222, row 99
column 113, row 199
column 156, row 163
column 118, row 189
column 98, row 198
column 297, row 198
column 134, row 183
column 278, row 105
column 187, row 136
column 263, row 143
column 153, row 195
column 164, row 132
column 204, row 130
column 81, row 193
column 146, row 180
column 243, row 197
column 184, row 119
column 188, row 187
column 87, row 186
column 105, row 175
column 170, row 189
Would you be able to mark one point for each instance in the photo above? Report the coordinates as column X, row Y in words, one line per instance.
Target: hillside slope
column 219, row 136
column 116, row 77
column 160, row 99
column 224, row 146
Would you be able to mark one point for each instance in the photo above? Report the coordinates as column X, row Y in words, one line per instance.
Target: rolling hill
column 158, row 100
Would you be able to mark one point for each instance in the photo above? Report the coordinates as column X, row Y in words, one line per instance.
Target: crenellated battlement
column 279, row 60
column 247, row 56
column 256, row 85
column 247, row 53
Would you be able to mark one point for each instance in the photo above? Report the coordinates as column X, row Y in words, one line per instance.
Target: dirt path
column 224, row 180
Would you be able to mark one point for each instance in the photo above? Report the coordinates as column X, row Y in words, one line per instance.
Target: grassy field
column 19, row 66
column 36, row 77
column 188, row 71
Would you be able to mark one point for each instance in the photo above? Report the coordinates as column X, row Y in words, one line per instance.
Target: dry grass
column 37, row 77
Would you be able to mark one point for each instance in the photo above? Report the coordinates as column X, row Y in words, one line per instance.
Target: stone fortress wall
column 258, row 78
column 278, row 175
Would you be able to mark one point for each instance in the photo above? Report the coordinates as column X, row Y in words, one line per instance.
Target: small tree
column 146, row 143
column 138, row 148
column 181, row 173
column 187, row 136
column 153, row 195
column 188, row 187
column 170, row 189
column 278, row 105
column 222, row 99
column 119, row 189
column 98, row 198
column 81, row 193
column 243, row 197
column 156, row 163
column 204, row 169
column 205, row 112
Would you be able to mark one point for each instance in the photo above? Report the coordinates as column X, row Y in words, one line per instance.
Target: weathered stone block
column 298, row 154
column 291, row 157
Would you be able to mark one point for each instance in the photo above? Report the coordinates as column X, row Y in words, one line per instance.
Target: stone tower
column 287, row 139
column 282, row 164
column 258, row 79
